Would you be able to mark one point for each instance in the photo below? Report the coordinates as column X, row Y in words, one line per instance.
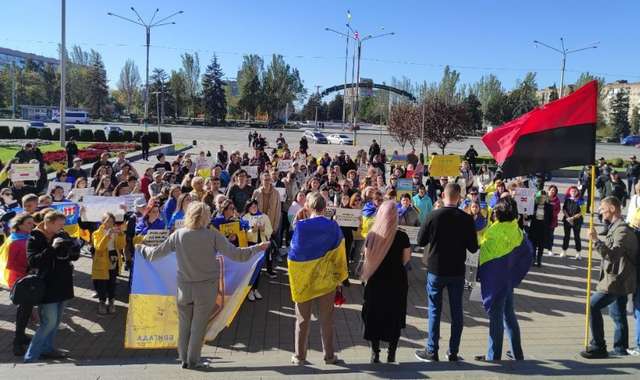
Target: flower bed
column 57, row 160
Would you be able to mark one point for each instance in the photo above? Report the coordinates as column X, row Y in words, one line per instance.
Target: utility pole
column 346, row 68
column 63, row 72
column 318, row 94
column 564, row 52
column 13, row 89
column 147, row 27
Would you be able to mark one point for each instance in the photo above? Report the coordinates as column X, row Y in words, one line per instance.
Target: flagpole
column 587, row 306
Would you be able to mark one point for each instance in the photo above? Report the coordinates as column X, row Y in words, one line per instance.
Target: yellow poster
column 152, row 322
column 445, row 166
column 233, row 228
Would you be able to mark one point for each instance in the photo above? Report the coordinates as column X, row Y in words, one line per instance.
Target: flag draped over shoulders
column 506, row 255
column 9, row 275
column 317, row 260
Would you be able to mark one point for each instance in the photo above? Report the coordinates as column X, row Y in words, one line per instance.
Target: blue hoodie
column 424, row 206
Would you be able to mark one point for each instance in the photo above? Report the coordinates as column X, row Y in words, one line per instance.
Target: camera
column 70, row 247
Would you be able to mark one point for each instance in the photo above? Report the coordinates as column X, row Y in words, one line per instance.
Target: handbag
column 29, row 290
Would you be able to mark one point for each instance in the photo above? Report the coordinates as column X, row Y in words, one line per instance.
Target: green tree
column 367, row 110
column 249, row 77
column 158, row 85
column 335, row 108
column 445, row 122
column 191, row 72
column 51, row 84
column 490, row 93
column 619, row 113
column 524, row 98
column 215, row 102
column 98, row 89
column 405, row 122
column 634, row 120
column 474, row 111
column 129, row 84
column 309, row 109
column 448, row 86
column 178, row 90
column 282, row 86
column 587, row 77
column 553, row 94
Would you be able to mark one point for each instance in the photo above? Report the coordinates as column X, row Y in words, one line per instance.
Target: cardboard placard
column 284, row 165
column 404, row 185
column 399, row 160
column 525, row 199
column 412, row 233
column 66, row 186
column 348, row 217
column 282, row 192
column 94, row 208
column 252, row 171
column 154, row 238
column 130, row 200
column 77, row 195
column 444, row 166
column 24, row 172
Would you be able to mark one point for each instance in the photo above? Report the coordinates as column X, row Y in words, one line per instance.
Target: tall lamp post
column 358, row 41
column 63, row 71
column 147, row 27
column 564, row 52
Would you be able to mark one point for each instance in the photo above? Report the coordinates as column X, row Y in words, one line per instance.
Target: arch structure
column 369, row 86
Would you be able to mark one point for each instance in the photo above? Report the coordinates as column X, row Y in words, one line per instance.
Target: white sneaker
column 634, row 351
column 257, row 294
column 563, row 254
column 549, row 252
column 578, row 256
column 251, row 297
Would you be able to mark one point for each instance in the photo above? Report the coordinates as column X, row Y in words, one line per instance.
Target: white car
column 340, row 138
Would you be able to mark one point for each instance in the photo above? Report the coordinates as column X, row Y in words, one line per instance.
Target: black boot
column 375, row 351
column 391, row 353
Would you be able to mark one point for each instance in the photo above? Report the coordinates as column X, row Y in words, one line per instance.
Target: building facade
column 19, row 59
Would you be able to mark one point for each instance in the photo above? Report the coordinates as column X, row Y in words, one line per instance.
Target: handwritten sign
column 178, row 224
column 362, row 172
column 252, row 171
column 282, row 192
column 399, row 159
column 284, row 165
column 412, row 233
column 525, row 199
column 348, row 217
column 25, row 172
column 404, row 186
column 94, row 208
column 77, row 195
column 154, row 238
column 444, row 166
column 130, row 200
column 66, row 187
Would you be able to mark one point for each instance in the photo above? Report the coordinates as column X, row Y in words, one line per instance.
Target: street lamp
column 148, row 26
column 356, row 37
column 564, row 52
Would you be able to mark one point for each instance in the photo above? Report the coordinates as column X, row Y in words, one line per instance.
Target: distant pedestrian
column 573, row 216
column 144, row 141
column 72, row 151
column 471, row 155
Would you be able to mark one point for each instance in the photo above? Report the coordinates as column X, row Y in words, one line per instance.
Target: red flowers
column 90, row 153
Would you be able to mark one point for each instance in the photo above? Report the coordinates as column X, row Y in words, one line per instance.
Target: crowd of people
column 241, row 203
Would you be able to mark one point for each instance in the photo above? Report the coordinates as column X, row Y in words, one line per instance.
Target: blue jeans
column 636, row 314
column 42, row 342
column 435, row 287
column 618, row 312
column 502, row 317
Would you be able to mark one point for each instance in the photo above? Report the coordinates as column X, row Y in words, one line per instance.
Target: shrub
column 45, row 134
column 153, row 137
column 5, row 132
column 56, row 134
column 127, row 136
column 617, row 162
column 17, row 133
column 115, row 136
column 73, row 134
column 86, row 135
column 33, row 133
column 137, row 136
column 166, row 138
column 99, row 136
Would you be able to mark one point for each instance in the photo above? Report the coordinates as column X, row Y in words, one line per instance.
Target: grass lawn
column 9, row 152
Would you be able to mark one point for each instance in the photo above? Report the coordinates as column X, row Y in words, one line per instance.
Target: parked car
column 113, row 128
column 340, row 138
column 630, row 140
column 36, row 124
column 316, row 137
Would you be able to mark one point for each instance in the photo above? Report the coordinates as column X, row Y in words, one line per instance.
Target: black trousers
column 393, row 345
column 568, row 227
column 23, row 314
column 145, row 153
column 107, row 288
column 539, row 248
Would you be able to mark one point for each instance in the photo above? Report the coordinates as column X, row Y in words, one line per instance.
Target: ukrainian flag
column 152, row 320
column 5, row 273
column 317, row 259
column 506, row 255
column 368, row 217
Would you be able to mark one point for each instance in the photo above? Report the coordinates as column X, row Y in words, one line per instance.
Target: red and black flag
column 556, row 135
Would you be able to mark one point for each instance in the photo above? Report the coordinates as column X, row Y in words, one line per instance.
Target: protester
column 618, row 279
column 50, row 251
column 109, row 243
column 269, row 204
column 573, row 212
column 505, row 258
column 407, row 214
column 384, row 310
column 557, row 207
column 449, row 233
column 240, row 191
column 259, row 231
column 541, row 222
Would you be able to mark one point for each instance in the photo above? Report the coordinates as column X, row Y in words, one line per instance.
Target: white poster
column 284, row 165
column 94, row 208
column 412, row 233
column 130, row 200
column 348, row 217
column 252, row 171
column 154, row 238
column 24, row 172
column 525, row 198
column 66, row 186
column 77, row 195
column 282, row 192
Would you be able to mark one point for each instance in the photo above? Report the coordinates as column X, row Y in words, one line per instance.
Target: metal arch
column 366, row 85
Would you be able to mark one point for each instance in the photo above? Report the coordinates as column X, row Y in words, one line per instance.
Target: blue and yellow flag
column 7, row 278
column 317, row 259
column 506, row 255
column 152, row 320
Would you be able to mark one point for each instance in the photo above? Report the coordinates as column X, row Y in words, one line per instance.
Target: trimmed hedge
column 99, row 136
column 153, row 137
column 86, row 135
column 56, row 134
column 115, row 136
column 17, row 133
column 166, row 138
column 127, row 136
column 137, row 136
column 45, row 134
column 5, row 132
column 73, row 134
column 33, row 133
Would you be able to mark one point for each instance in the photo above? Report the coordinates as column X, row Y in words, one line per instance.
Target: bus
column 77, row 117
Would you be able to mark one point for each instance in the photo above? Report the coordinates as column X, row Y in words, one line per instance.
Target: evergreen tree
column 158, row 84
column 98, row 96
column 634, row 121
column 215, row 102
column 474, row 110
column 335, row 108
column 553, row 94
column 619, row 117
column 249, row 77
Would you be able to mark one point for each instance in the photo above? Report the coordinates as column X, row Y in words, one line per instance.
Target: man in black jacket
column 72, row 151
column 374, row 149
column 633, row 173
column 144, row 141
column 449, row 233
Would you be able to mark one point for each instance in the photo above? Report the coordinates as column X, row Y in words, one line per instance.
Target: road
column 210, row 138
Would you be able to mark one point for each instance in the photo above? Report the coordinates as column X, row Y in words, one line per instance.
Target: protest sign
column 348, row 217
column 525, row 199
column 66, row 186
column 233, row 228
column 25, row 172
column 412, row 233
column 329, row 212
column 444, row 166
column 284, row 165
column 362, row 172
column 399, row 159
column 77, row 195
column 252, row 171
column 130, row 200
column 404, row 185
column 282, row 192
column 154, row 238
column 70, row 210
column 178, row 224
column 94, row 208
